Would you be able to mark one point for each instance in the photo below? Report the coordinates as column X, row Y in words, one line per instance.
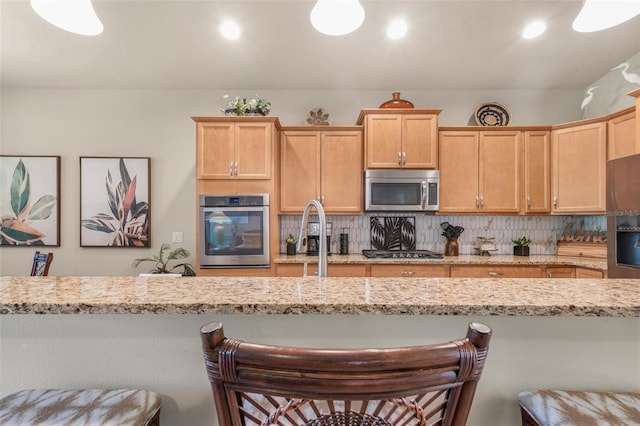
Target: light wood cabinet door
column 409, row 271
column 578, row 173
column 231, row 150
column 621, row 137
column 341, row 171
column 401, row 141
column 499, row 172
column 458, row 151
column 321, row 165
column 252, row 150
column 215, row 150
column 496, row 271
column 299, row 170
column 420, row 141
column 537, row 172
column 383, row 134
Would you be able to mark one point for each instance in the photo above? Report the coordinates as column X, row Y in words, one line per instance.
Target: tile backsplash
column 545, row 231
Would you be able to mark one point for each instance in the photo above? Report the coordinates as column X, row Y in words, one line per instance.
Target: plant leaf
column 20, row 232
column 111, row 197
column 96, row 225
column 129, row 197
column 42, row 208
column 20, row 190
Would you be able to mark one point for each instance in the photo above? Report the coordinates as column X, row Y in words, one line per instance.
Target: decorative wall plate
column 492, row 114
column 318, row 117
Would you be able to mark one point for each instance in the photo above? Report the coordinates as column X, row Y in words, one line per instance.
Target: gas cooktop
column 401, row 254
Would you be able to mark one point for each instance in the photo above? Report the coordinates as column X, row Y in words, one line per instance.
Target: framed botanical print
column 115, row 197
column 29, row 200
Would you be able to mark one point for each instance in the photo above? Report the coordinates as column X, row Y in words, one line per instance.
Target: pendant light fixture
column 597, row 15
column 337, row 17
column 76, row 16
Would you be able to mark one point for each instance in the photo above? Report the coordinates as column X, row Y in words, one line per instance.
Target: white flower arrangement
column 240, row 106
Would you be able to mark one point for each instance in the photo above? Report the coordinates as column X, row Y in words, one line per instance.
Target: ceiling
column 175, row 45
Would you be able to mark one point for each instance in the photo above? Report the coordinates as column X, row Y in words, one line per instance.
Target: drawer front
column 469, row 271
column 296, row 270
column 409, row 271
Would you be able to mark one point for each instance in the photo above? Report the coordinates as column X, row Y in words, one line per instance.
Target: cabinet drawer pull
column 528, row 203
column 236, row 168
column 555, row 202
column 407, row 273
column 495, row 273
column 404, row 158
column 399, row 158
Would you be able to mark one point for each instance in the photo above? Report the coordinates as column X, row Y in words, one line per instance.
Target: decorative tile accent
column 545, row 231
column 393, row 233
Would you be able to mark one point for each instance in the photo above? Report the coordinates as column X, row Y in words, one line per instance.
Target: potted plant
column 291, row 244
column 521, row 246
column 162, row 262
column 240, row 106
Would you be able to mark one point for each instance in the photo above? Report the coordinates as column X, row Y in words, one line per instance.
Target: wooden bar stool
column 579, row 408
column 91, row 407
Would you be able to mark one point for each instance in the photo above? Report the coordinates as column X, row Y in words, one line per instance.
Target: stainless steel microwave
column 402, row 190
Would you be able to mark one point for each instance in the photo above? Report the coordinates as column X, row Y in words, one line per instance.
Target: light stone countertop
column 312, row 295
column 505, row 260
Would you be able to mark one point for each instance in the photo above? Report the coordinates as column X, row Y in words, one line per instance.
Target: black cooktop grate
column 401, row 254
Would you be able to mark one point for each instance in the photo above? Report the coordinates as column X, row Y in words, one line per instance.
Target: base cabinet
column 409, row 271
column 561, row 272
column 496, row 271
column 297, row 270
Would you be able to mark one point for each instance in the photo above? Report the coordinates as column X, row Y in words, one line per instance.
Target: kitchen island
column 143, row 332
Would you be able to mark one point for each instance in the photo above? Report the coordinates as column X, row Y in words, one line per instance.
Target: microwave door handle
column 424, row 195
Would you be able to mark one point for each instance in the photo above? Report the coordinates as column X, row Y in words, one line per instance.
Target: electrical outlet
column 176, row 237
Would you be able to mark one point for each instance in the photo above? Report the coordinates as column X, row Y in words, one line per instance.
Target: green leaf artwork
column 126, row 219
column 17, row 227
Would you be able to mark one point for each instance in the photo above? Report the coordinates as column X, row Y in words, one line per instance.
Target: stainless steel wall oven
column 234, row 231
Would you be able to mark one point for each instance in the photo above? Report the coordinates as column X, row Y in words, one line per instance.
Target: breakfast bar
column 142, row 332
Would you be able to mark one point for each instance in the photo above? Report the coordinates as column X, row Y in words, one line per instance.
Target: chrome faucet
column 322, row 240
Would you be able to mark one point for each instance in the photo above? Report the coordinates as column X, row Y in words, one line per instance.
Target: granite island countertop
column 312, row 295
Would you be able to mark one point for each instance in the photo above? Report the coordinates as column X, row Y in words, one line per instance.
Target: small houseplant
column 291, row 244
column 521, row 246
column 162, row 263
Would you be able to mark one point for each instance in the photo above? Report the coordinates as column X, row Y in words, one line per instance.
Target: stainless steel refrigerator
column 623, row 217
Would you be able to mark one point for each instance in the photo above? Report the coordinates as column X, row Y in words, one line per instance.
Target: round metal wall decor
column 492, row 114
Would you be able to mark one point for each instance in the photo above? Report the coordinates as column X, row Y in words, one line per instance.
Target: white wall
column 157, row 124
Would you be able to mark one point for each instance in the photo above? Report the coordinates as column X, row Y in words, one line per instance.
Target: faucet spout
column 322, row 241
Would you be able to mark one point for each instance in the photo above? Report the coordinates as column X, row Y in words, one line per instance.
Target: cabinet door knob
column 399, row 158
column 236, row 168
column 528, row 203
column 230, row 168
column 404, row 158
column 555, row 202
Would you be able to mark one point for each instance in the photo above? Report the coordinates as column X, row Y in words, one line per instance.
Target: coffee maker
column 313, row 238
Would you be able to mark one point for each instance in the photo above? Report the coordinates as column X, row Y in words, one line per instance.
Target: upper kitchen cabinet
column 400, row 138
column 480, row 170
column 325, row 165
column 621, row 134
column 578, row 170
column 537, row 172
column 235, row 147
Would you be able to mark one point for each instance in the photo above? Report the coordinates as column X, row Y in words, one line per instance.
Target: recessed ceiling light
column 534, row 29
column 397, row 29
column 76, row 16
column 337, row 17
column 230, row 30
column 597, row 15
